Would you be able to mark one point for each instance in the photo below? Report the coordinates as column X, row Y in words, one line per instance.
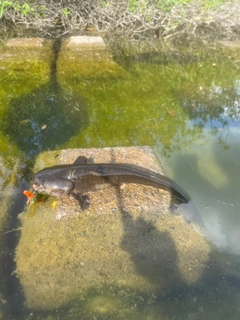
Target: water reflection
column 216, row 108
column 213, row 171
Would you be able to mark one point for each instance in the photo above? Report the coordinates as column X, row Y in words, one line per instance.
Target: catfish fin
column 83, row 200
column 83, row 160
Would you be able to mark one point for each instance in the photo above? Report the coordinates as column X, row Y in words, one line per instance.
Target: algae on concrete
column 128, row 239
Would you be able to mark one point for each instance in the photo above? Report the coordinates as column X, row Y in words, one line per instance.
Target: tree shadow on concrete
column 152, row 252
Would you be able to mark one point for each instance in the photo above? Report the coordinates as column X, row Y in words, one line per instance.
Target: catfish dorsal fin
column 83, row 160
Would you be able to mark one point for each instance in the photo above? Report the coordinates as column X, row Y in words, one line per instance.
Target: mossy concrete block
column 128, row 238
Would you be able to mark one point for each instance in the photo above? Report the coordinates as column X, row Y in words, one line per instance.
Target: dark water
column 183, row 101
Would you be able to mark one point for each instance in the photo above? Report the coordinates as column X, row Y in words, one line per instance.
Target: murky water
column 185, row 102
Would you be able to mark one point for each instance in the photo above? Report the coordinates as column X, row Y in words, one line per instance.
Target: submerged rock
column 130, row 239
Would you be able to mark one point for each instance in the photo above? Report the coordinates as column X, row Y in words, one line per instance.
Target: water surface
column 183, row 101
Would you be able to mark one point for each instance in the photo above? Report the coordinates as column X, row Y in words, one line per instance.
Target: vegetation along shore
column 167, row 19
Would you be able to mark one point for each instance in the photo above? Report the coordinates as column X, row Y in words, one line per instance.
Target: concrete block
column 128, row 240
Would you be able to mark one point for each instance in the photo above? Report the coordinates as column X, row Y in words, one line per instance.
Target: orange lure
column 29, row 195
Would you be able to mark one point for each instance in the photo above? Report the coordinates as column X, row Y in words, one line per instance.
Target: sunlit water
column 214, row 174
column 187, row 109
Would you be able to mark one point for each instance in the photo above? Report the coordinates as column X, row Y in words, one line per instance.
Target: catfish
column 80, row 177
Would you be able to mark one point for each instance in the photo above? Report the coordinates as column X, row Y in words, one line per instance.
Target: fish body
column 77, row 179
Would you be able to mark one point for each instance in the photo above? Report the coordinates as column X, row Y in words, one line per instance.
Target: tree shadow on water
column 40, row 120
column 46, row 117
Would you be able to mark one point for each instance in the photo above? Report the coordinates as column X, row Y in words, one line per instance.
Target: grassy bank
column 135, row 18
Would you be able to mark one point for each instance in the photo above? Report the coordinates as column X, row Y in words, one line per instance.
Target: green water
column 183, row 101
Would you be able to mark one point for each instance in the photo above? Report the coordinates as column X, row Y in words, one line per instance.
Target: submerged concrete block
column 230, row 44
column 86, row 43
column 31, row 43
column 27, row 51
column 128, row 240
column 86, row 56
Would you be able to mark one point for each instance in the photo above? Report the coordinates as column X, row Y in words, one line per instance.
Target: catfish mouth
column 36, row 187
column 46, row 189
column 39, row 187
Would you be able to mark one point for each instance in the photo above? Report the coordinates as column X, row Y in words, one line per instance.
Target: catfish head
column 54, row 186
